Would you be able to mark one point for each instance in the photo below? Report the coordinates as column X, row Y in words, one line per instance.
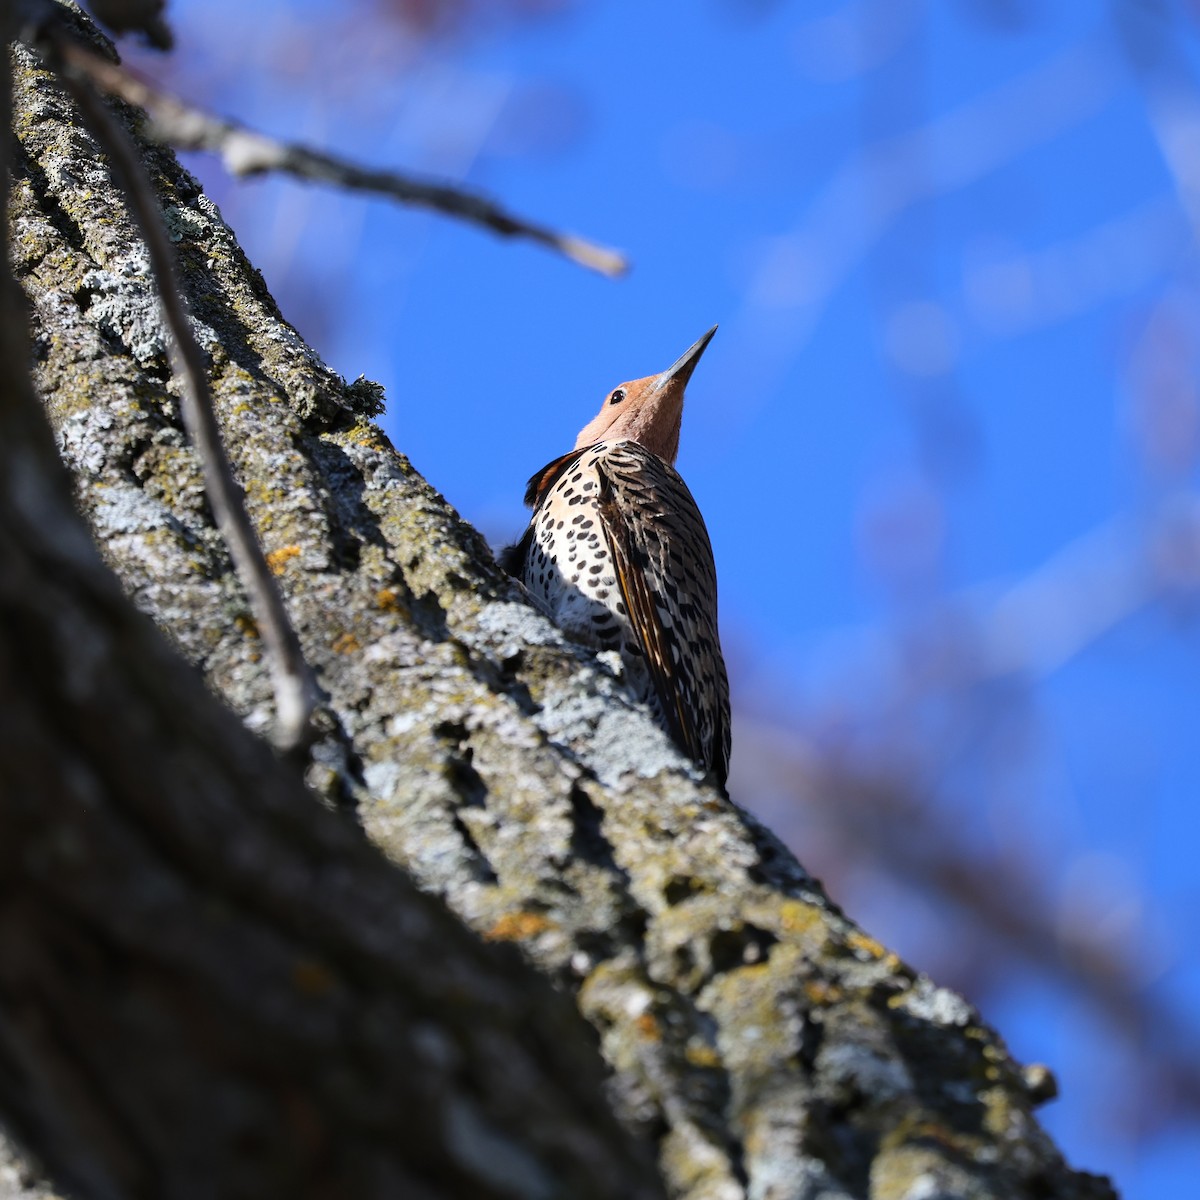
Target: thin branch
column 295, row 688
column 1026, row 289
column 139, row 16
column 245, row 152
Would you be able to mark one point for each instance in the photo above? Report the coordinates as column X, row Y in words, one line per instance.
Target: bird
column 617, row 554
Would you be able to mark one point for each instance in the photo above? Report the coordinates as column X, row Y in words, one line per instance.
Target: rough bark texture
column 769, row 1047
column 204, row 975
column 209, row 983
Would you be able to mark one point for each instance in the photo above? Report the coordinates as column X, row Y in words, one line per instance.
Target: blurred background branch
column 245, row 152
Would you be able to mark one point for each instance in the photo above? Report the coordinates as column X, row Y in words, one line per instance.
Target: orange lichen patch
column 515, row 927
column 648, row 1026
column 370, row 437
column 867, row 945
column 700, row 1055
column 388, row 599
column 311, row 977
column 347, row 643
column 820, row 992
column 278, row 559
column 246, row 624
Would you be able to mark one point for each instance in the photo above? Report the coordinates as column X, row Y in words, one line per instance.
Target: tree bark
column 211, row 985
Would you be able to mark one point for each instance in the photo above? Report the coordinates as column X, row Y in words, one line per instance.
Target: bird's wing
column 540, row 482
column 668, row 581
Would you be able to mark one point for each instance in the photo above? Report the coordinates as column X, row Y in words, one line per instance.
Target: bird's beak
column 681, row 370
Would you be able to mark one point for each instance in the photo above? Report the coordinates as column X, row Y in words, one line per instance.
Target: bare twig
column 1022, row 290
column 245, row 152
column 141, row 16
column 295, row 688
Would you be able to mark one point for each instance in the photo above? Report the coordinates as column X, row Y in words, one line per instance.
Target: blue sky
column 951, row 253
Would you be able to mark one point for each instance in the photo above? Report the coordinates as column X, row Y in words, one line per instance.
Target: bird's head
column 647, row 410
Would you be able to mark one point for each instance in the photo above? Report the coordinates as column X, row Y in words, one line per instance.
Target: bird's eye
column 617, row 396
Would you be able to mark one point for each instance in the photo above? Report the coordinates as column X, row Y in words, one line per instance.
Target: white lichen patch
column 510, row 627
column 125, row 307
column 183, row 222
column 123, row 510
column 864, row 1070
column 81, row 439
column 938, row 1004
column 793, row 1176
column 611, row 741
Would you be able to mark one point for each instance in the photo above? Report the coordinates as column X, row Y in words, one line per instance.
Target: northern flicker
column 618, row 555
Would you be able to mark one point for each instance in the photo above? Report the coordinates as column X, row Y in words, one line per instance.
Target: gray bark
column 230, row 962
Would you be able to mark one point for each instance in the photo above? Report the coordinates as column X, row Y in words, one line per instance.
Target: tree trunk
column 211, row 985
